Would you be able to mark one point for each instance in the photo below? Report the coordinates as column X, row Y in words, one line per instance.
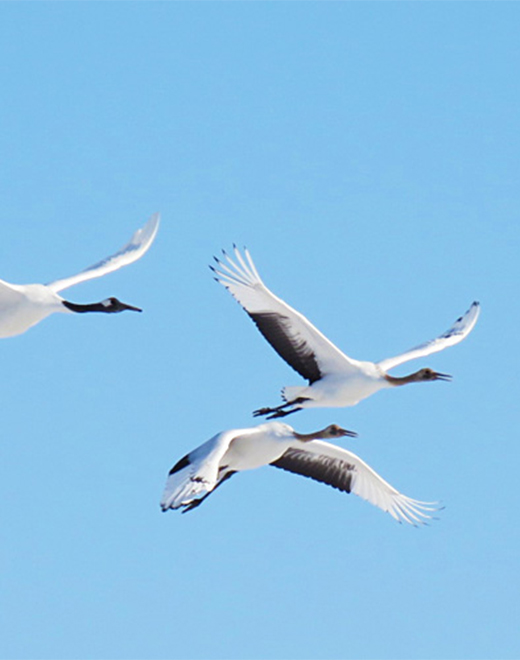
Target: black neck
column 81, row 309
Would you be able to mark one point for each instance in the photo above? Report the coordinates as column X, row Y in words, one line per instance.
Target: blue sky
column 368, row 156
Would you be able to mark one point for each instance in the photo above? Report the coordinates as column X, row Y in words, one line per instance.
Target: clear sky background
column 368, row 154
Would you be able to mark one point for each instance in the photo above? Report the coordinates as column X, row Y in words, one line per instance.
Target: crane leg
column 279, row 411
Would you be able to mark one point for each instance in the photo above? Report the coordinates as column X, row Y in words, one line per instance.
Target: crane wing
column 291, row 335
column 9, row 295
column 132, row 251
column 345, row 471
column 197, row 473
column 458, row 331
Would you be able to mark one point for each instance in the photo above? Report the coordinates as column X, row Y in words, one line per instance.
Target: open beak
column 350, row 434
column 439, row 376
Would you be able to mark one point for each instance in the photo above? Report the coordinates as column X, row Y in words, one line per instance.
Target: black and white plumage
column 195, row 476
column 335, row 379
column 25, row 305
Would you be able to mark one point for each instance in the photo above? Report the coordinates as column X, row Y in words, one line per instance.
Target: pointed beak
column 439, row 376
column 130, row 307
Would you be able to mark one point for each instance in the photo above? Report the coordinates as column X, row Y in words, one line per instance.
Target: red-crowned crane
column 195, row 476
column 335, row 380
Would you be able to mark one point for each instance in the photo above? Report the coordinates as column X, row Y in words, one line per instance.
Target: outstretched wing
column 291, row 335
column 458, row 331
column 345, row 471
column 132, row 251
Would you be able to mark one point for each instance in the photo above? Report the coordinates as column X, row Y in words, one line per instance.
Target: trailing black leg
column 283, row 413
column 278, row 411
column 267, row 411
